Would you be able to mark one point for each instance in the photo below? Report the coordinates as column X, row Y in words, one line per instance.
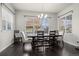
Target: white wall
column 0, row 17
column 6, row 37
column 74, row 37
column 0, row 25
column 21, row 21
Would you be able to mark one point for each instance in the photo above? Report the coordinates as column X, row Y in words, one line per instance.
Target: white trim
column 8, row 8
column 71, row 44
column 66, row 14
column 5, row 47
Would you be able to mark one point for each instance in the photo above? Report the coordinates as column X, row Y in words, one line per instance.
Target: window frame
column 8, row 20
column 61, row 18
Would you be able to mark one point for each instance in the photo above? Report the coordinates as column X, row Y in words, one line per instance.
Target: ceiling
column 41, row 7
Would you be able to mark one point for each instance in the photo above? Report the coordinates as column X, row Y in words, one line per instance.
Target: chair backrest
column 56, row 32
column 52, row 33
column 16, row 33
column 40, row 35
column 61, row 33
column 23, row 36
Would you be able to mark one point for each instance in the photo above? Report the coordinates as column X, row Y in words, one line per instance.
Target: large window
column 44, row 24
column 65, row 23
column 68, row 24
column 7, row 19
column 33, row 24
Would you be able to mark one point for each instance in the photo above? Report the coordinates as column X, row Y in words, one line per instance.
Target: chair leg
column 23, row 44
column 23, row 47
column 61, row 44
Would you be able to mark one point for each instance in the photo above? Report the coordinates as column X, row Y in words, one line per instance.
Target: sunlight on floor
column 28, row 47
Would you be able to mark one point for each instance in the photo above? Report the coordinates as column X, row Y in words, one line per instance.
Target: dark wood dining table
column 46, row 36
column 35, row 36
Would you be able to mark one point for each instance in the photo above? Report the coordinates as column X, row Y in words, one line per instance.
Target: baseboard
column 71, row 44
column 6, row 47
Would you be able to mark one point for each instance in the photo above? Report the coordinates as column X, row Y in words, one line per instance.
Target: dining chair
column 60, row 39
column 26, row 42
column 52, row 39
column 52, row 32
column 38, row 42
column 17, row 37
column 57, row 32
column 43, row 40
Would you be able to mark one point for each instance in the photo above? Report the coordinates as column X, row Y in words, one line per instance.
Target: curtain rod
column 8, row 8
column 66, row 13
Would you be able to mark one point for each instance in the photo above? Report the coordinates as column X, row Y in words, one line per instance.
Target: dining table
column 33, row 36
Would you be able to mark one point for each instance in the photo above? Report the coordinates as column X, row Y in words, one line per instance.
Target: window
column 29, row 25
column 65, row 23
column 44, row 24
column 33, row 24
column 7, row 19
column 68, row 23
column 61, row 24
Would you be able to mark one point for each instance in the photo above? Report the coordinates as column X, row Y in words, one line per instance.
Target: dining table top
column 45, row 35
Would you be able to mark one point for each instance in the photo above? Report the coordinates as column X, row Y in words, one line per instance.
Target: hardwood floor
column 17, row 50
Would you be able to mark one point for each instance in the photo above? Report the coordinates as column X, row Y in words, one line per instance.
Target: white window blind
column 7, row 19
column 65, row 22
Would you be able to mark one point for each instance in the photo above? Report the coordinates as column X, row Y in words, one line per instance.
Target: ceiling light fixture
column 42, row 15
